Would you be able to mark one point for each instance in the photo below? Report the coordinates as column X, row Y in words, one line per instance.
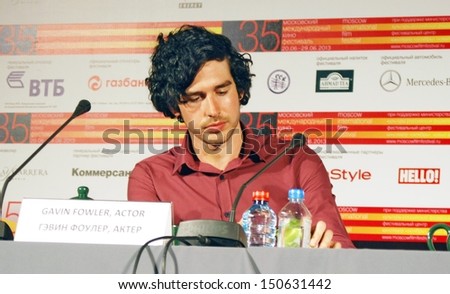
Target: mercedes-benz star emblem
column 390, row 80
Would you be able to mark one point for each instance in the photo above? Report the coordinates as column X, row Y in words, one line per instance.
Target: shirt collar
column 254, row 147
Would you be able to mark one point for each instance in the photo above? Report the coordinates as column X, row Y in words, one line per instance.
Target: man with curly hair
column 199, row 78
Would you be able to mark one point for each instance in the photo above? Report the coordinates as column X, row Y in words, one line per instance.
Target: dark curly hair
column 178, row 58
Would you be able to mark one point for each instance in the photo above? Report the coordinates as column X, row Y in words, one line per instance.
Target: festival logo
column 278, row 81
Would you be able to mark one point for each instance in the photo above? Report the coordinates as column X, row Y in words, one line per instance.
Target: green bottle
column 83, row 192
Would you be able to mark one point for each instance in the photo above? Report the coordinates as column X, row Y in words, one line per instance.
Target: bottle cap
column 82, row 193
column 296, row 194
column 260, row 195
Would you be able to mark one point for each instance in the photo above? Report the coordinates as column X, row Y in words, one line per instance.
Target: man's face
column 211, row 108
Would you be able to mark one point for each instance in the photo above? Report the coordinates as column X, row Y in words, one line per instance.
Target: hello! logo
column 419, row 176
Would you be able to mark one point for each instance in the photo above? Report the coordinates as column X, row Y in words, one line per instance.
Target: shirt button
column 222, row 177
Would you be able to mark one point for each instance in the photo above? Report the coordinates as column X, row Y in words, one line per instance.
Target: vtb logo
column 14, row 79
column 44, row 87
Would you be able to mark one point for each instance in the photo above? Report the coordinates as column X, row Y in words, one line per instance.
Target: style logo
column 95, row 83
column 334, row 81
column 390, row 80
column 348, row 175
column 278, row 81
column 14, row 79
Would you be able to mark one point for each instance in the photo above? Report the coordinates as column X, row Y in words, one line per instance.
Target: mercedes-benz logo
column 390, row 80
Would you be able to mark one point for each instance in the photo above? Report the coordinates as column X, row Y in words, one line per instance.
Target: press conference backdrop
column 368, row 81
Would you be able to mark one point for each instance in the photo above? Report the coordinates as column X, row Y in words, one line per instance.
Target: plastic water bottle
column 294, row 222
column 260, row 221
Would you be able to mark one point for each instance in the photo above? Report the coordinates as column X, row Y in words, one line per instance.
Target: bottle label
column 291, row 233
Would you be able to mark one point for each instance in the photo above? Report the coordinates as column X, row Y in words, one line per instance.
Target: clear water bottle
column 294, row 222
column 260, row 221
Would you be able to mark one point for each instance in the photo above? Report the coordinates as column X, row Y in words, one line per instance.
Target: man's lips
column 215, row 127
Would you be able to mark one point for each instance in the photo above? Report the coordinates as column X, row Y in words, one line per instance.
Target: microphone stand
column 82, row 107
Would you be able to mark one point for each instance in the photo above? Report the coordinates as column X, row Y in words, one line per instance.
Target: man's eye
column 222, row 92
column 193, row 98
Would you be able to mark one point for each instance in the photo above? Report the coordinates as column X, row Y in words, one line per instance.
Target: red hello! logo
column 419, row 175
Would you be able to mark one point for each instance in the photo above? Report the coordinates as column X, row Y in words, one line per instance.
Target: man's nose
column 212, row 107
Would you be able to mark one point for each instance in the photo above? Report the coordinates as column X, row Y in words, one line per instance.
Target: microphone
column 229, row 233
column 82, row 107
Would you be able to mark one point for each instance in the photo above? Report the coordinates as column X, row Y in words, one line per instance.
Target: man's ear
column 178, row 116
column 241, row 95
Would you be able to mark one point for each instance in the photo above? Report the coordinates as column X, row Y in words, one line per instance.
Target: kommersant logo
column 334, row 81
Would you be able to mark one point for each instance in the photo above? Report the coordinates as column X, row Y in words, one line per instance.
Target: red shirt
column 201, row 191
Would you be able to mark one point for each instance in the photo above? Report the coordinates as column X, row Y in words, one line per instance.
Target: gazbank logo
column 95, row 83
column 334, row 81
column 419, row 176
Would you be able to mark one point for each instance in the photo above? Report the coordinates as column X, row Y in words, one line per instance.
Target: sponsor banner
column 393, row 33
column 112, row 83
column 390, row 224
column 324, row 128
column 92, row 128
column 89, row 39
column 304, row 81
column 377, row 175
column 411, row 128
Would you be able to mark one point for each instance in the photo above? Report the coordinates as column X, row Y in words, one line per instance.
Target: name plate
column 93, row 221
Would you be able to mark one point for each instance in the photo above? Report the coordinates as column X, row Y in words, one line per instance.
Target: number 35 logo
column 252, row 35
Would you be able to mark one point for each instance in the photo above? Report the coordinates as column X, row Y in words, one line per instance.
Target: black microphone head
column 82, row 107
column 298, row 140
